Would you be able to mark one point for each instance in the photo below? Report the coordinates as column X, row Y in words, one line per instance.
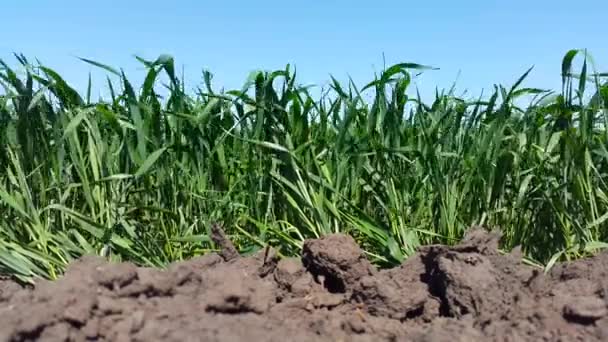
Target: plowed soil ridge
column 469, row 292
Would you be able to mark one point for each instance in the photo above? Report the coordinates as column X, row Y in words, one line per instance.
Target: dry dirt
column 469, row 292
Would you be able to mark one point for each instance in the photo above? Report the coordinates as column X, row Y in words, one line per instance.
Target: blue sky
column 486, row 42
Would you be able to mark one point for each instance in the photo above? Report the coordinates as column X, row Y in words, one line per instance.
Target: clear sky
column 486, row 42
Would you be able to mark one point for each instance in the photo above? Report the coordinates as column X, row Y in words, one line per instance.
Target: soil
column 469, row 292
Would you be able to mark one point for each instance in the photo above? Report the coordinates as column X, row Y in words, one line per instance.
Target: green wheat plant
column 142, row 174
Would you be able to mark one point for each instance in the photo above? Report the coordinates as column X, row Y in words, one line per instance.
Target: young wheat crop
column 141, row 177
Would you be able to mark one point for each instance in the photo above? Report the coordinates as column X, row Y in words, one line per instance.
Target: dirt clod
column 585, row 309
column 227, row 249
column 336, row 261
column 468, row 292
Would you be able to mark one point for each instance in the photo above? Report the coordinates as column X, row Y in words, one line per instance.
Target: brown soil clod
column 336, row 261
column 585, row 310
column 468, row 292
column 227, row 250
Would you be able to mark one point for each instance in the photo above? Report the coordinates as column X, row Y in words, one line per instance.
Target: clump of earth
column 468, row 292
